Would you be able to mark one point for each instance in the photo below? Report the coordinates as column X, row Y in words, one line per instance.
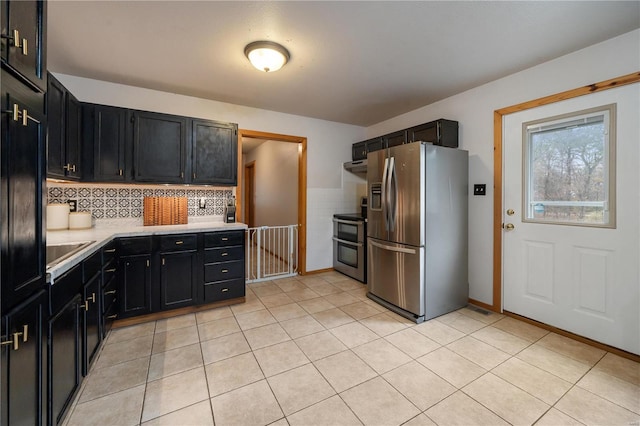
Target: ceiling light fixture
column 266, row 56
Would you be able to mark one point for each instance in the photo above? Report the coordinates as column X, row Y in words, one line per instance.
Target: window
column 569, row 173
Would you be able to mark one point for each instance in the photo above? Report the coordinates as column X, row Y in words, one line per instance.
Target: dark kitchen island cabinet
column 64, row 334
column 159, row 147
column 214, row 152
column 23, row 362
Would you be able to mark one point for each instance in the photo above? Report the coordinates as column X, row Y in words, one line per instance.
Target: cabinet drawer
column 178, row 242
column 109, row 293
column 109, row 252
column 109, row 270
column 224, row 290
column 134, row 245
column 92, row 265
column 221, row 239
column 225, row 254
column 223, row 271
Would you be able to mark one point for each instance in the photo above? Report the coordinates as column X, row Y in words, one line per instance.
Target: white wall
column 276, row 183
column 330, row 189
column 474, row 111
column 328, row 144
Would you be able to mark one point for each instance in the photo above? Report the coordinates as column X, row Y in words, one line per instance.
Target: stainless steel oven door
column 349, row 258
column 349, row 230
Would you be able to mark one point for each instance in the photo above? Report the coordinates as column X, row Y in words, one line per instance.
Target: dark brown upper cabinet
column 395, row 139
column 64, row 119
column 23, row 41
column 214, row 152
column 159, row 147
column 106, row 154
column 440, row 132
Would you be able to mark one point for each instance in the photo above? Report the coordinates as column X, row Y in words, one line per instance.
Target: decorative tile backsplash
column 125, row 201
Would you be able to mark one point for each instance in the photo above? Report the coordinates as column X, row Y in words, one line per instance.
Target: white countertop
column 103, row 234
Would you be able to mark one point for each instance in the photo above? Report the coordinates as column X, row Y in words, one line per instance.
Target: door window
column 569, row 169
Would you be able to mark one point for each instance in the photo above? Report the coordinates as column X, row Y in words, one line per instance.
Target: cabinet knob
column 179, row 243
column 85, row 305
column 224, row 290
column 110, row 251
column 109, row 292
column 224, row 254
column 114, row 316
column 224, row 271
column 110, row 270
column 24, row 47
column 92, row 298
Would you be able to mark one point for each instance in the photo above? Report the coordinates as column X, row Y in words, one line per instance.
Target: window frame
column 609, row 161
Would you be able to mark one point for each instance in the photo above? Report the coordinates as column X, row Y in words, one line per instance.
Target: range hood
column 358, row 166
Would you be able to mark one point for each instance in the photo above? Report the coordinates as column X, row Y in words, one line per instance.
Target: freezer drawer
column 396, row 275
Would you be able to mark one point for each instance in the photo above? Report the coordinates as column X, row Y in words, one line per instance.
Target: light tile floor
column 315, row 351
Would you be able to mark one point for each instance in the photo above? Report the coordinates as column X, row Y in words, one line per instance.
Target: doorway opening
column 249, row 181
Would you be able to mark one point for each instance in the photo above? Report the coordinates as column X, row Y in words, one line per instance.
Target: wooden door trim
column 302, row 185
column 248, row 219
column 498, row 143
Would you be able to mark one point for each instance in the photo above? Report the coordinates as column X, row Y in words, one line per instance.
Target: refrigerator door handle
column 392, row 248
column 393, row 194
column 385, row 195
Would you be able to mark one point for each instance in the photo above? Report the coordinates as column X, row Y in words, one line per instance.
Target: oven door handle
column 348, row 222
column 351, row 243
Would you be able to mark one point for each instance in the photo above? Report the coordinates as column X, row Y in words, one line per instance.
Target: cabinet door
column 427, row 132
column 214, row 152
column 56, row 156
column 91, row 316
column 73, row 130
column 22, row 179
column 395, row 139
column 159, row 147
column 22, row 363
column 134, row 294
column 109, row 142
column 64, row 359
column 26, row 53
column 178, row 279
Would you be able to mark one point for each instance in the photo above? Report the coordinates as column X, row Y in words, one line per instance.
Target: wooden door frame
column 247, row 198
column 302, row 185
column 498, row 143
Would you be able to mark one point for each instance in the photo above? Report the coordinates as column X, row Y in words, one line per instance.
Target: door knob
column 510, row 212
column 509, row 227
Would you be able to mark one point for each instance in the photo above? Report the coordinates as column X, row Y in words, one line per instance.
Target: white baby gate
column 272, row 252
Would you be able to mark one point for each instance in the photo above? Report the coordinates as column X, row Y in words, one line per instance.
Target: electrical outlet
column 202, row 203
column 479, row 189
column 73, row 205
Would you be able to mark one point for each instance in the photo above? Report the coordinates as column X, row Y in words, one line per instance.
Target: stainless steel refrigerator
column 418, row 229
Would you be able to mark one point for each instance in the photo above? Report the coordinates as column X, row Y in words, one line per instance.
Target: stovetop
column 350, row 216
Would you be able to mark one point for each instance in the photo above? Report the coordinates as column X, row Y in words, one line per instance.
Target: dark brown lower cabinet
column 22, row 360
column 64, row 359
column 135, row 285
column 91, row 313
column 178, row 282
column 64, row 343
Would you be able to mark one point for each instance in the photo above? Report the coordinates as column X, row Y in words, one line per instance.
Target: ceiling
column 352, row 62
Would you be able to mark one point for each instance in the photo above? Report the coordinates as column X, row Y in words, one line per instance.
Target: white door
column 582, row 279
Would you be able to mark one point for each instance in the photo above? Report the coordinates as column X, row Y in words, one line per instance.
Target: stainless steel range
column 349, row 245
